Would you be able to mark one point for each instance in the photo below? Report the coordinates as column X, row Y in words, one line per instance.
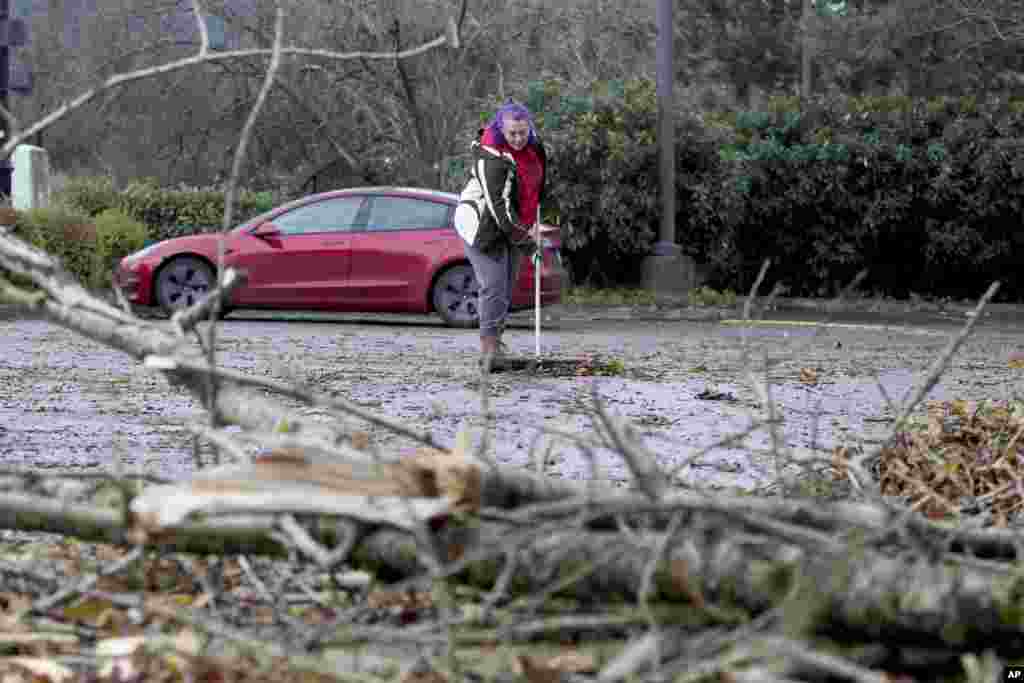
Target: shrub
column 87, row 195
column 66, row 235
column 603, row 180
column 176, row 212
column 167, row 212
column 929, row 201
column 117, row 235
column 706, row 296
column 604, row 187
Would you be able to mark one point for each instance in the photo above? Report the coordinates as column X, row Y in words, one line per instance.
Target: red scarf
column 529, row 173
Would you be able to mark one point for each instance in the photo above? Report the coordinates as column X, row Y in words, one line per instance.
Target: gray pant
column 496, row 277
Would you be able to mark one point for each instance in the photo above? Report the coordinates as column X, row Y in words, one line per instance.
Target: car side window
column 406, row 213
column 327, row 215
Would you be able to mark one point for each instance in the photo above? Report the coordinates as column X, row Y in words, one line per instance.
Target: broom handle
column 538, row 258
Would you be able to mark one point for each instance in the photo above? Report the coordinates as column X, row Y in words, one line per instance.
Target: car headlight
column 145, row 251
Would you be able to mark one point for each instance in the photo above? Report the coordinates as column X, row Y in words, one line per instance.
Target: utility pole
column 666, row 123
column 806, row 63
column 662, row 268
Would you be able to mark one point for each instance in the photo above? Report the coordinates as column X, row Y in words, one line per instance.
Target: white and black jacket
column 486, row 217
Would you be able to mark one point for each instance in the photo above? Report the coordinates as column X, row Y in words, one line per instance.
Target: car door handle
column 334, row 243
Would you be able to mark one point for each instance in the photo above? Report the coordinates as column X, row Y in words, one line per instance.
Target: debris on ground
column 715, row 395
column 963, row 457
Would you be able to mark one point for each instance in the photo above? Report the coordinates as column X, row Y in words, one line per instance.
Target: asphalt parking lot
column 67, row 401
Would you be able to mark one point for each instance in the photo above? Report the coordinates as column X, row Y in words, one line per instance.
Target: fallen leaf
column 809, row 376
column 118, row 655
column 549, row 669
column 574, row 662
column 1016, row 360
column 360, row 440
column 187, row 642
column 679, row 571
column 264, row 614
column 453, row 475
column 38, row 667
column 14, row 602
column 89, row 610
column 379, row 599
column 186, row 645
column 840, row 457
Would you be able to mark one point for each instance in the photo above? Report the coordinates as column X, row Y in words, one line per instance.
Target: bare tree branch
column 204, row 34
column 195, row 60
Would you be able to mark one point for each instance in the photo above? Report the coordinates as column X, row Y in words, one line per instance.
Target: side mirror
column 266, row 231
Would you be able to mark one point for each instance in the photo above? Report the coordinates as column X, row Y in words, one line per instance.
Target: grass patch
column 706, row 296
column 638, row 296
column 620, row 296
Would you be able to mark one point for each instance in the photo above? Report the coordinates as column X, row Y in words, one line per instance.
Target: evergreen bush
column 117, row 235
column 67, row 235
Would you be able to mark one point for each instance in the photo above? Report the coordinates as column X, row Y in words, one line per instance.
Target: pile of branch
column 964, row 454
column 754, row 588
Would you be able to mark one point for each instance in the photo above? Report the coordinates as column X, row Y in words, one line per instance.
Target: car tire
column 183, row 281
column 454, row 296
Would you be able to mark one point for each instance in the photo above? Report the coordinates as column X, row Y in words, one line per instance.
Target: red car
column 374, row 249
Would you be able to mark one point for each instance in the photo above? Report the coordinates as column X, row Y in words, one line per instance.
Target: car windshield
column 256, row 220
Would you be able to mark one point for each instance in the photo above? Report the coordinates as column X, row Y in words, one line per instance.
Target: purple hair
column 516, row 112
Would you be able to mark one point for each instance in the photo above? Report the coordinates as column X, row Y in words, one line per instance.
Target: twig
column 217, row 629
column 753, row 288
column 271, row 441
column 856, row 466
column 302, row 541
column 305, row 395
column 941, row 363
column 821, row 661
column 186, row 319
column 204, row 34
column 261, row 587
column 644, row 466
column 221, row 440
column 84, row 585
column 195, row 60
column 647, row 584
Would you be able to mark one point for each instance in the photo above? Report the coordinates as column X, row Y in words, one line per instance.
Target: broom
column 537, row 258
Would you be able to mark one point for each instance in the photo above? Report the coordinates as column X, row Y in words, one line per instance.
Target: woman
column 499, row 215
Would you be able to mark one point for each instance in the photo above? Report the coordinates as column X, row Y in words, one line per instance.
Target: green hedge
column 117, row 235
column 926, row 194
column 88, row 248
column 66, row 235
column 167, row 212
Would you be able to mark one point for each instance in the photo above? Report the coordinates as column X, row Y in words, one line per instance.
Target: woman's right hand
column 522, row 234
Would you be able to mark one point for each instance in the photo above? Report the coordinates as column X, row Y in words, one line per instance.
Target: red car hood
column 204, row 244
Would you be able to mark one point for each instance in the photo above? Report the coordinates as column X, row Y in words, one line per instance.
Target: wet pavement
column 68, row 402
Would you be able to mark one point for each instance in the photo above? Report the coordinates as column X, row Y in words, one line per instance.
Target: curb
column 669, row 310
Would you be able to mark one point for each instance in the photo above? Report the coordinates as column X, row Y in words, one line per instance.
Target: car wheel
column 455, row 296
column 184, row 281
